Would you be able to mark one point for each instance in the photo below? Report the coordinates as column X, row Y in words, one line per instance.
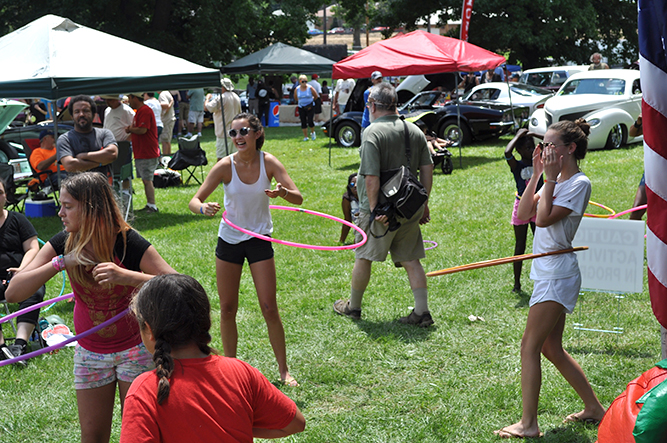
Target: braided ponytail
column 164, row 366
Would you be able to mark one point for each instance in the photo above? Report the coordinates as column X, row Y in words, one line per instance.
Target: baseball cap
column 315, row 76
column 44, row 133
column 376, row 75
column 110, row 97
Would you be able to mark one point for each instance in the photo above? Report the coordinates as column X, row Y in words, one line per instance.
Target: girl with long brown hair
column 106, row 260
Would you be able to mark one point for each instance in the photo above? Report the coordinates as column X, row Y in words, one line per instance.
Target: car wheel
column 450, row 131
column 348, row 134
column 447, row 166
column 616, row 137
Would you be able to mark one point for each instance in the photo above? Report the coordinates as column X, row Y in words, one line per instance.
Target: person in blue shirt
column 376, row 78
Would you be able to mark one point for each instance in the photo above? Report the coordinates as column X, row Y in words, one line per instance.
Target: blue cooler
column 40, row 208
column 274, row 114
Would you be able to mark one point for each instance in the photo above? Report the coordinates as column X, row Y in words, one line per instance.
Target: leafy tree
column 203, row 31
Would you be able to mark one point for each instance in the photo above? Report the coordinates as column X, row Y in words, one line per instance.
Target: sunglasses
column 543, row 145
column 353, row 184
column 303, row 81
column 242, row 132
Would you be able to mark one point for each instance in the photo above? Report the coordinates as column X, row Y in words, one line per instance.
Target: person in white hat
column 376, row 78
column 232, row 106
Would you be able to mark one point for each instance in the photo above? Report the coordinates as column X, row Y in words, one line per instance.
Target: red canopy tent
column 416, row 53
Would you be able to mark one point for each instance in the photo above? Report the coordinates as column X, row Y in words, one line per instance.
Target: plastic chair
column 122, row 170
column 15, row 201
column 189, row 157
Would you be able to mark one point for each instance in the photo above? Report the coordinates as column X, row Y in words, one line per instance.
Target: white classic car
column 532, row 97
column 609, row 99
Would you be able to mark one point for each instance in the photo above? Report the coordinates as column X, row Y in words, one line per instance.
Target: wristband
column 638, row 126
column 509, row 158
column 551, row 181
column 201, row 209
column 286, row 192
column 58, row 263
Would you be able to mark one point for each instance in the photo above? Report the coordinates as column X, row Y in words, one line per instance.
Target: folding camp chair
column 47, row 179
column 15, row 201
column 122, row 170
column 189, row 156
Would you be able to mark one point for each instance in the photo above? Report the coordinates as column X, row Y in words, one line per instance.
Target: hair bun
column 583, row 125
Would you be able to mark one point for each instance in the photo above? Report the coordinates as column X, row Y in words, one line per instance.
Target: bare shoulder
column 222, row 170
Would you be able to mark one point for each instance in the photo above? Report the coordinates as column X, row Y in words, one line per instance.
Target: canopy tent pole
column 224, row 124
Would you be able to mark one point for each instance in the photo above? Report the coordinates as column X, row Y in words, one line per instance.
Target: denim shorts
column 94, row 370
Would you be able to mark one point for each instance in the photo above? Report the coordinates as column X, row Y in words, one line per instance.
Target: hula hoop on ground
column 432, row 243
column 610, row 215
column 66, row 342
column 303, row 245
column 636, row 208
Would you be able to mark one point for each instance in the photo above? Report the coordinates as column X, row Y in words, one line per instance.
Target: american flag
column 653, row 63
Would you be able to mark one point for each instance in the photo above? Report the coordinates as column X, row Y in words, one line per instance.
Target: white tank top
column 247, row 206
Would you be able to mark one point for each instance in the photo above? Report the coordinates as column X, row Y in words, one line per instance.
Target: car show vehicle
column 550, row 78
column 440, row 115
column 609, row 100
column 516, row 94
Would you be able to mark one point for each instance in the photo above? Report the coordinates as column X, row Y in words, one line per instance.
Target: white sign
column 615, row 258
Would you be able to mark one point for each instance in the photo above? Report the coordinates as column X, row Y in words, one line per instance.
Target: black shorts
column 254, row 250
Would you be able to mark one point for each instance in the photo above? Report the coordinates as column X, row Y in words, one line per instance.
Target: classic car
column 440, row 115
column 609, row 99
column 551, row 78
column 518, row 94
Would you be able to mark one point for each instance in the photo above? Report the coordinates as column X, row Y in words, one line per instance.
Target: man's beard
column 88, row 125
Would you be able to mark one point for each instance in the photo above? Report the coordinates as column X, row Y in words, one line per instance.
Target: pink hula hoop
column 6, row 318
column 66, row 342
column 432, row 243
column 303, row 245
column 627, row 211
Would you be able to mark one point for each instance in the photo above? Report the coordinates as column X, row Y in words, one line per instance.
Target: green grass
column 376, row 380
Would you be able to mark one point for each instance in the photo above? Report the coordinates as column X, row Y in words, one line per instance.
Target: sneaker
column 11, row 351
column 423, row 321
column 148, row 210
column 306, row 139
column 342, row 307
column 313, row 136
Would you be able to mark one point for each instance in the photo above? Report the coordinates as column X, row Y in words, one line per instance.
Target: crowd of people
column 159, row 358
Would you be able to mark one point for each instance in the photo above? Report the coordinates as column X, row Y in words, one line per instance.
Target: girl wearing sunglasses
column 246, row 177
column 558, row 208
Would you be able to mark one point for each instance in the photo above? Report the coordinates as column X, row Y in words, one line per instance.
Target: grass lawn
column 377, row 380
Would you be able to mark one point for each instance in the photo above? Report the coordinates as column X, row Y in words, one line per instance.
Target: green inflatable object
column 651, row 424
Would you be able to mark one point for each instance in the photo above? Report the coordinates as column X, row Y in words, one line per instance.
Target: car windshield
column 483, row 94
column 537, row 78
column 601, row 86
column 528, row 90
column 425, row 99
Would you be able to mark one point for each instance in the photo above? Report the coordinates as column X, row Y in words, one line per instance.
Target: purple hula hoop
column 64, row 343
column 37, row 306
column 303, row 245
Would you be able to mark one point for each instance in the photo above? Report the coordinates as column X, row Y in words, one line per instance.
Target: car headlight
column 534, row 122
column 594, row 122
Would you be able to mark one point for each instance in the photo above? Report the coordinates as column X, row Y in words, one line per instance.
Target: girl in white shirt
column 558, row 207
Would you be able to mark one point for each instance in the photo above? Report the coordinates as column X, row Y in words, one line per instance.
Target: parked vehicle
column 440, row 116
column 315, row 31
column 414, row 84
column 532, row 97
column 550, row 78
column 338, row 30
column 609, row 99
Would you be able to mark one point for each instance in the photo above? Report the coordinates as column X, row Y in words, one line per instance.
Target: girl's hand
column 109, row 273
column 538, row 166
column 210, row 208
column 553, row 163
column 278, row 192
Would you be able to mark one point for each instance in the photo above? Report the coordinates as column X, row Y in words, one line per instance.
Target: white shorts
column 196, row 117
column 564, row 291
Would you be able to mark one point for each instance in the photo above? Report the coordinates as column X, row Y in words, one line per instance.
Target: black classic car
column 439, row 114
